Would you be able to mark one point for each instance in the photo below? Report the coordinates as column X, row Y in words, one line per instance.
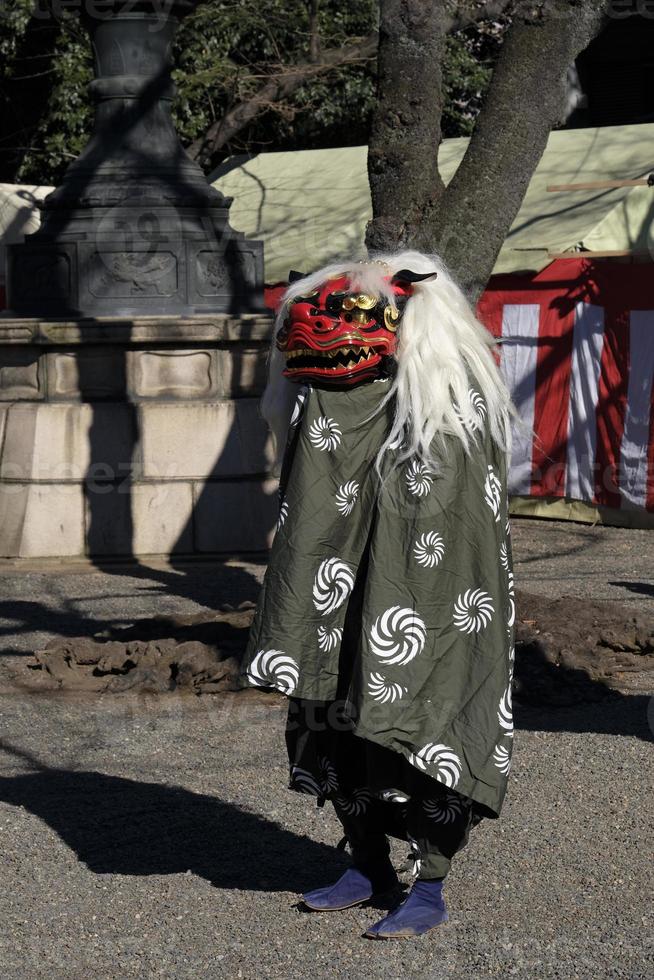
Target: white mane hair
column 441, row 348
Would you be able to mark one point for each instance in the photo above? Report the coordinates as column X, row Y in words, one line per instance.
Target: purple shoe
column 352, row 888
column 421, row 911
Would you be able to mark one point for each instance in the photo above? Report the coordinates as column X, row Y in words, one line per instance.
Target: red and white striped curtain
column 577, row 351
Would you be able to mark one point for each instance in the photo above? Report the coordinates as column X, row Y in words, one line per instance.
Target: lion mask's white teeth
column 355, row 355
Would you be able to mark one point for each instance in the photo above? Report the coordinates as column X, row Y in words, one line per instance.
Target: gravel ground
column 42, row 600
column 154, row 837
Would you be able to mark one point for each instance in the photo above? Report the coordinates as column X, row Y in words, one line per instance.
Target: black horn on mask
column 294, row 275
column 405, row 275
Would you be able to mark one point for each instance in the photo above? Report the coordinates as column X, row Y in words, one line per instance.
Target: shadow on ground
column 121, row 826
column 638, row 588
column 214, row 585
column 621, row 714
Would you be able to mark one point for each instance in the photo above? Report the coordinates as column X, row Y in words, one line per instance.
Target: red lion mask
column 339, row 336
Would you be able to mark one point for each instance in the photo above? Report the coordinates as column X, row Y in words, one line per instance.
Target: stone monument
column 133, row 351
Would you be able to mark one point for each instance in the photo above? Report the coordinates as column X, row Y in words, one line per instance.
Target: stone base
column 134, row 437
column 172, row 276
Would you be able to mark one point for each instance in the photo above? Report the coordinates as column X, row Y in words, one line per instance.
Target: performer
column 387, row 608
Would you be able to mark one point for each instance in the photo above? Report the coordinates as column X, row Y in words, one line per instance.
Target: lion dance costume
column 386, row 614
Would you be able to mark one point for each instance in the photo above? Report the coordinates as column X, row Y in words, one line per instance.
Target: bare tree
column 281, row 84
column 282, row 81
column 467, row 221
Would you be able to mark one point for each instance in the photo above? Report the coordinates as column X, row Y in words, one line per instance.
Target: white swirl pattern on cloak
column 505, row 712
column 493, row 492
column 298, row 407
column 274, row 668
column 429, row 549
column 443, row 758
column 444, row 810
column 384, row 691
column 511, row 595
column 398, row 635
column 502, row 758
column 324, row 433
column 302, row 779
column 418, row 479
column 474, row 422
column 473, row 611
column 283, row 514
column 332, row 585
column 329, row 637
column 328, row 775
column 346, row 497
column 356, row 803
column 479, row 405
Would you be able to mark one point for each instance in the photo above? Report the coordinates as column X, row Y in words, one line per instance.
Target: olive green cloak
column 433, row 655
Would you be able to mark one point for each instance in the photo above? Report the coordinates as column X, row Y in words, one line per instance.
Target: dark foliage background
column 225, row 51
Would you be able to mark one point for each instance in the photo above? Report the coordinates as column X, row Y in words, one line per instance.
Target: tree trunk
column 406, row 123
column 467, row 222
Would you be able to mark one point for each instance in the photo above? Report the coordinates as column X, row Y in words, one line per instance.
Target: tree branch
column 278, row 87
column 468, row 221
column 314, row 32
column 526, row 99
column 291, row 77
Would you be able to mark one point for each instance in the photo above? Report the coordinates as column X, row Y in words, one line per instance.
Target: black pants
column 375, row 792
column 437, row 827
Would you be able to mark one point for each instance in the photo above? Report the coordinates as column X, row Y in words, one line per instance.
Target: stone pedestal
column 131, row 437
column 134, row 228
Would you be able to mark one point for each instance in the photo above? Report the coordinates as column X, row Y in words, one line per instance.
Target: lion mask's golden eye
column 391, row 317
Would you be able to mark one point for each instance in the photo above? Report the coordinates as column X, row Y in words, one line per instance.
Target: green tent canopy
column 311, row 206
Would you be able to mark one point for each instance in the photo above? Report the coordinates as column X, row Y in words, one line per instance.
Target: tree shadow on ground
column 606, row 695
column 121, row 826
column 621, row 714
column 213, row 585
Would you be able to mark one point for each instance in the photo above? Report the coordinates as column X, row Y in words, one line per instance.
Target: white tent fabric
column 311, row 206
